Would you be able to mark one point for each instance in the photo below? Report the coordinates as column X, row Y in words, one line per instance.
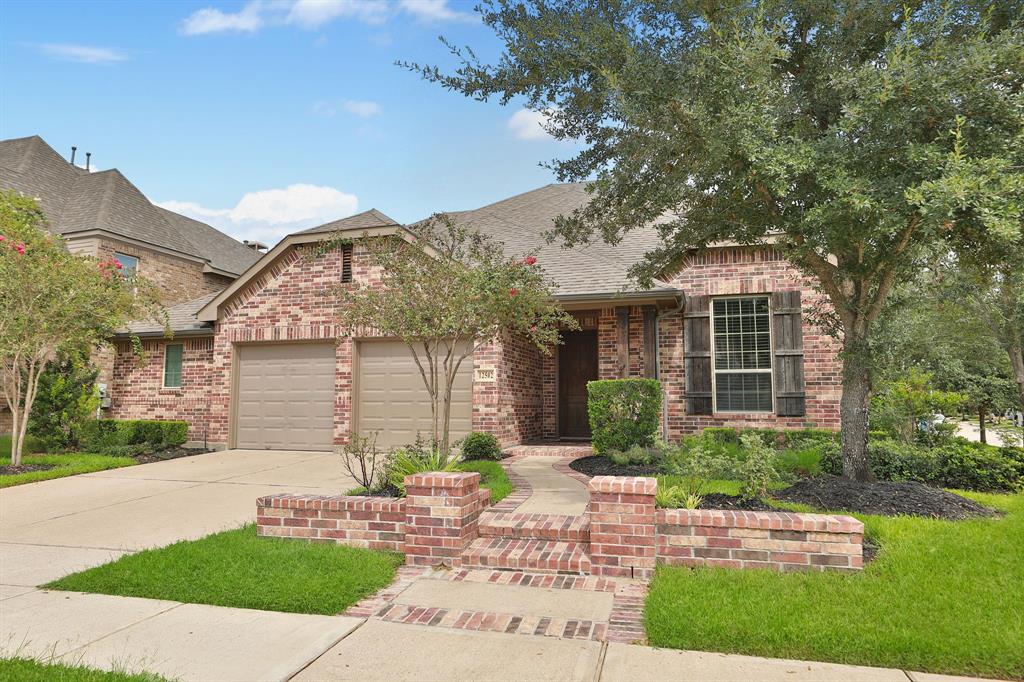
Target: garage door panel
column 285, row 397
column 393, row 401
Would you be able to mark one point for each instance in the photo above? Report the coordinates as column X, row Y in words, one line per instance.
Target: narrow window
column 742, row 355
column 172, row 365
column 129, row 264
column 346, row 263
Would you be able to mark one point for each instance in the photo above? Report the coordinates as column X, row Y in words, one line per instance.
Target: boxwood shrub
column 481, row 445
column 623, row 413
column 123, row 435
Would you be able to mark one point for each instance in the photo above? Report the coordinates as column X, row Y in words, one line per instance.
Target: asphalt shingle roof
column 76, row 200
column 359, row 221
column 520, row 222
column 181, row 317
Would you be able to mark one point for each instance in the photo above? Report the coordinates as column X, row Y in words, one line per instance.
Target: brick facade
column 442, row 512
column 621, row 513
column 781, row 541
column 368, row 522
column 515, row 388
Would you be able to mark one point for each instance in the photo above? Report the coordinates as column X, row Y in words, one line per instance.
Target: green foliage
column 108, row 435
column 480, row 445
column 67, row 399
column 32, row 445
column 417, row 458
column 905, row 610
column 974, row 466
column 237, row 568
column 858, row 137
column 757, row 471
column 58, row 466
column 445, row 288
column 696, row 463
column 623, row 413
column 957, row 463
column 637, row 456
column 363, row 462
column 902, row 404
column 30, row 670
column 55, row 304
column 492, row 477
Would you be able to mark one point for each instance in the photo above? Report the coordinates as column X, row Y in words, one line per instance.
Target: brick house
column 261, row 364
column 103, row 214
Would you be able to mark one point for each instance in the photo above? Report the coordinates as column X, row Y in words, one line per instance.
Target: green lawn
column 941, row 596
column 492, row 477
column 28, row 670
column 63, row 465
column 237, row 568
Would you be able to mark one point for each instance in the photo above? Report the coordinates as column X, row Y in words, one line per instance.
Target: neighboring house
column 262, row 364
column 103, row 214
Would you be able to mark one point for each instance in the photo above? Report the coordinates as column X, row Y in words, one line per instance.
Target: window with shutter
column 742, row 354
column 790, row 399
column 346, row 263
column 697, row 355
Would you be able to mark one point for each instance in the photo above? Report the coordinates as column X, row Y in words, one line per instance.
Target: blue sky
column 267, row 116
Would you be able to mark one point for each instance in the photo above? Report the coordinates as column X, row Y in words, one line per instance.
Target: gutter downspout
column 657, row 358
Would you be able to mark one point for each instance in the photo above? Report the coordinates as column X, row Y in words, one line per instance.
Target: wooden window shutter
column 790, row 400
column 346, row 263
column 697, row 354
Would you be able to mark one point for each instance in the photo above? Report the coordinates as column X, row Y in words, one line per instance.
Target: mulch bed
column 733, row 502
column 10, row 469
column 598, row 465
column 169, row 453
column 386, row 491
column 885, row 498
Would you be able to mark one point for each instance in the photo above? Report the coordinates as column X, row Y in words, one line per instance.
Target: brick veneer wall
column 781, row 541
column 137, row 391
column 178, row 279
column 369, row 522
column 752, row 270
column 511, row 406
column 622, row 533
column 441, row 516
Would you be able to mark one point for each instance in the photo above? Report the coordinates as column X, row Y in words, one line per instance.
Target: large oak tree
column 855, row 135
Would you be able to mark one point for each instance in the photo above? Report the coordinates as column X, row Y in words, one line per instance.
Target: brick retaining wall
column 781, row 541
column 369, row 522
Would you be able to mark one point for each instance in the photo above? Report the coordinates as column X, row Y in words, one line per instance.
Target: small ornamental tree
column 445, row 290
column 53, row 303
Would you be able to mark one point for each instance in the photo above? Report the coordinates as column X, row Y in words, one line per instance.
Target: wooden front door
column 577, row 364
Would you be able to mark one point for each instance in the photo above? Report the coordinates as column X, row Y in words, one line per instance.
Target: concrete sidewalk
column 552, row 491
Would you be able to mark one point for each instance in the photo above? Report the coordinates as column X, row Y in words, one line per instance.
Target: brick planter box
column 781, row 541
column 370, row 522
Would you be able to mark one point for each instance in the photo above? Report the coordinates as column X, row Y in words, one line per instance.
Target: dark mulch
column 169, row 453
column 10, row 469
column 885, row 498
column 597, row 465
column 733, row 502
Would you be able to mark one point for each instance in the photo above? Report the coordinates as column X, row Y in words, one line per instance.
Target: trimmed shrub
column 481, row 445
column 976, row 466
column 623, row 413
column 66, row 401
column 101, row 435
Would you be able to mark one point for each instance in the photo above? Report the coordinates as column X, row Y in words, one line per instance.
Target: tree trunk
column 853, row 413
column 981, row 423
column 15, row 436
column 1017, row 362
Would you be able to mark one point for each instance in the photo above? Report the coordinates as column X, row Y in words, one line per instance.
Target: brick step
column 566, row 528
column 527, row 554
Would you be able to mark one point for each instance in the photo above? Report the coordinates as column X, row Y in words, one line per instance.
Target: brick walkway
column 522, row 566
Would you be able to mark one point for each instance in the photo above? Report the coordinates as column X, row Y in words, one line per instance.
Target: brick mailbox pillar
column 441, row 512
column 622, row 526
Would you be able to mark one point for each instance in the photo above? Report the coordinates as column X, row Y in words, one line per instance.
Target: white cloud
column 315, row 13
column 270, row 214
column 527, row 124
column 312, row 14
column 249, row 19
column 435, row 10
column 360, row 108
column 85, row 54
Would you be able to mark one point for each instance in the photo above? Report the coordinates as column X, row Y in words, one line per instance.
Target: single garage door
column 393, row 401
column 285, row 397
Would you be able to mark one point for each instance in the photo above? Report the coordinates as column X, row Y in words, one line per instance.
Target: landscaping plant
column 363, row 462
column 446, row 290
column 757, row 470
column 623, row 413
column 417, row 458
column 66, row 400
column 55, row 304
column 854, row 137
column 480, row 445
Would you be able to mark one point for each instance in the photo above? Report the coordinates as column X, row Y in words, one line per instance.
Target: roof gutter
column 162, row 335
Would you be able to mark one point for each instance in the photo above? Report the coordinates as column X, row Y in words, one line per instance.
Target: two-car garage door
column 284, row 397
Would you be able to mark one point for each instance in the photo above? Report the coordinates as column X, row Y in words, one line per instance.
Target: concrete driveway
column 52, row 528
